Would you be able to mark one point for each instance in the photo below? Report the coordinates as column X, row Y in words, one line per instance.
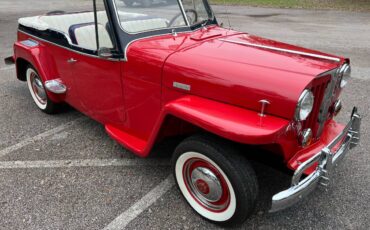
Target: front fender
column 231, row 122
column 39, row 57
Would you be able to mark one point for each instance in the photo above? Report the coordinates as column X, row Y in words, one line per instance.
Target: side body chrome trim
column 283, row 50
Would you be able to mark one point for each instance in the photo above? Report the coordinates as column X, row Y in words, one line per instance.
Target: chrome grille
column 321, row 89
column 327, row 101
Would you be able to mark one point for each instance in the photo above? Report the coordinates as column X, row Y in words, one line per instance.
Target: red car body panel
column 99, row 87
column 231, row 122
column 94, row 84
column 242, row 75
column 332, row 130
column 143, row 77
column 133, row 99
column 39, row 57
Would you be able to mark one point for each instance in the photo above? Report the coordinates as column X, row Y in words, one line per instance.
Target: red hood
column 243, row 75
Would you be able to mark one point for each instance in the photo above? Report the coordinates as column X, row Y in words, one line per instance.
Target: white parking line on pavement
column 81, row 163
column 135, row 210
column 7, row 68
column 30, row 140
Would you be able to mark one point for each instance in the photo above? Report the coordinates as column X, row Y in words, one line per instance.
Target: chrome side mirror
column 105, row 52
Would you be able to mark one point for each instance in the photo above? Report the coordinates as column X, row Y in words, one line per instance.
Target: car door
column 98, row 84
column 97, row 80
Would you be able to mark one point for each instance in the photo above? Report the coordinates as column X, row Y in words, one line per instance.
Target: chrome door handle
column 72, row 60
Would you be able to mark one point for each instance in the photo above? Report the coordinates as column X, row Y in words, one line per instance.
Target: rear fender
column 38, row 56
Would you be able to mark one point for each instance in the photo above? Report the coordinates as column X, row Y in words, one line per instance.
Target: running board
column 129, row 141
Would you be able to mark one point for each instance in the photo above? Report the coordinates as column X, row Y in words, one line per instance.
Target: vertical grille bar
column 318, row 89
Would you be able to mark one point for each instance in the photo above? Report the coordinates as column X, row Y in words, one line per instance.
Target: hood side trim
column 283, row 50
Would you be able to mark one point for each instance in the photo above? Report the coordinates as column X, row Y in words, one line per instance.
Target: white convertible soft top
column 79, row 28
column 34, row 22
column 62, row 22
column 131, row 22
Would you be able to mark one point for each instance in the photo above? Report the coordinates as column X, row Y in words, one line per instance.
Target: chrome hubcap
column 38, row 88
column 206, row 184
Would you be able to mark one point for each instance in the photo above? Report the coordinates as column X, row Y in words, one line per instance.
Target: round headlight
column 345, row 74
column 304, row 106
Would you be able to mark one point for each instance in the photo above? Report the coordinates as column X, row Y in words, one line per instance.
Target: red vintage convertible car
column 150, row 73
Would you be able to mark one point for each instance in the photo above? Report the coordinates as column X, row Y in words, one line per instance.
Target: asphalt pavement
column 64, row 172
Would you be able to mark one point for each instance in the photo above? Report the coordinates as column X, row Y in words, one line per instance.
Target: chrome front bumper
column 325, row 159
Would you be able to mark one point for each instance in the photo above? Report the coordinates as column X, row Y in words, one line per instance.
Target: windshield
column 145, row 15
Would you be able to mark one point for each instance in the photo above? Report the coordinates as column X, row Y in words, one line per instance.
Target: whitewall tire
column 215, row 180
column 220, row 213
column 38, row 92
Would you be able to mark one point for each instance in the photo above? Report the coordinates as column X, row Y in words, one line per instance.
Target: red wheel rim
column 206, row 184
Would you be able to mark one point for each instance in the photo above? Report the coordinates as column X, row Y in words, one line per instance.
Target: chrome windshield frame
column 182, row 11
column 125, row 38
column 188, row 26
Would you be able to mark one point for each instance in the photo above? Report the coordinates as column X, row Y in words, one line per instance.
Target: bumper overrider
column 325, row 160
column 9, row 60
